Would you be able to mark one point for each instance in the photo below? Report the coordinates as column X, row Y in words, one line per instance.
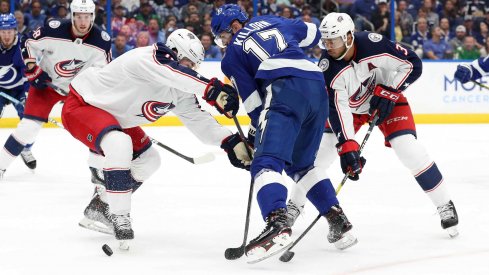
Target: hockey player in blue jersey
column 365, row 74
column 284, row 94
column 473, row 71
column 12, row 81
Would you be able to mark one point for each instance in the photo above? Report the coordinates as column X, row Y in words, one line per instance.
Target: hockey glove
column 236, row 150
column 37, row 77
column 465, row 73
column 351, row 161
column 222, row 96
column 383, row 101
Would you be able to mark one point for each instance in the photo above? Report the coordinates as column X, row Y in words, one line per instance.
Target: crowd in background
column 434, row 29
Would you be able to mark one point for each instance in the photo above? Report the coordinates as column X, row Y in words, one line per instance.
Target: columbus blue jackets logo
column 153, row 110
column 363, row 92
column 68, row 68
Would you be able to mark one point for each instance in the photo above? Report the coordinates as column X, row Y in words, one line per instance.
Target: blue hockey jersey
column 376, row 60
column 267, row 48
column 11, row 67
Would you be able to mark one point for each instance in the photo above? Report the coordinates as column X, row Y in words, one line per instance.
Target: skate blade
column 347, row 241
column 124, row 245
column 452, row 231
column 258, row 254
column 95, row 226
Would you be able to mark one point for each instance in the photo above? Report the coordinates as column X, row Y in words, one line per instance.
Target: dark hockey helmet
column 8, row 22
column 225, row 15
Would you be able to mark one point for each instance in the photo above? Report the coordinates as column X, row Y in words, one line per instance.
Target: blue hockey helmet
column 8, row 21
column 225, row 15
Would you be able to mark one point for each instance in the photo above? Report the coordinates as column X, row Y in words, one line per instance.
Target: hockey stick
column 234, row 253
column 288, row 255
column 57, row 89
column 15, row 101
column 480, row 84
column 208, row 157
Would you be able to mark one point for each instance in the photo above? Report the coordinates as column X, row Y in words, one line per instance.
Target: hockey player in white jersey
column 53, row 55
column 107, row 105
column 366, row 73
column 473, row 71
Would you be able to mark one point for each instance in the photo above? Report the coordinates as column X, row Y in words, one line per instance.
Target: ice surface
column 186, row 215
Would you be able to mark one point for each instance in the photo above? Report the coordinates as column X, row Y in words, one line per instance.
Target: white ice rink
column 186, row 215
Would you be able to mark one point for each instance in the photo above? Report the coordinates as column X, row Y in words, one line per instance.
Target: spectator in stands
column 200, row 8
column 206, row 27
column 118, row 3
column 155, row 35
column 283, row 3
column 211, row 51
column 446, row 34
column 477, row 8
column 420, row 35
column 55, row 6
column 468, row 51
column 21, row 27
column 437, row 48
column 405, row 19
column 362, row 10
column 380, row 18
column 485, row 50
column 146, row 13
column 118, row 20
column 469, row 24
column 119, row 46
column 270, row 8
column 429, row 9
column 129, row 34
column 36, row 17
column 164, row 8
column 458, row 40
column 62, row 13
column 142, row 39
column 306, row 11
column 194, row 21
column 296, row 8
column 315, row 53
column 481, row 36
column 4, row 6
column 216, row 4
column 450, row 12
column 170, row 25
column 287, row 13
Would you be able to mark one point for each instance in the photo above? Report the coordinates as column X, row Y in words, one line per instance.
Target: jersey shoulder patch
column 54, row 24
column 105, row 36
column 374, row 37
column 324, row 64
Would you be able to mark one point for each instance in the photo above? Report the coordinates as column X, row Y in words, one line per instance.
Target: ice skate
column 274, row 239
column 339, row 228
column 122, row 230
column 449, row 218
column 293, row 212
column 28, row 158
column 97, row 216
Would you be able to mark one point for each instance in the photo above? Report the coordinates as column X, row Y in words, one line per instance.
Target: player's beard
column 79, row 32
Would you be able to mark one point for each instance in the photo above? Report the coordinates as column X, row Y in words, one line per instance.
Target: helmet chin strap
column 347, row 48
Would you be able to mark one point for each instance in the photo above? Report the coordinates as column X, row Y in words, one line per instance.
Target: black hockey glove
column 383, row 101
column 236, row 150
column 37, row 77
column 222, row 96
column 351, row 161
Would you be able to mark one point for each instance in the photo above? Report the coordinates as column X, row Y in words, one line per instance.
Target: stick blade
column 208, row 157
column 234, row 253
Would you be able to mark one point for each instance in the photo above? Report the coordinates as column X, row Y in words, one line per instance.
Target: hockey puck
column 287, row 256
column 107, row 250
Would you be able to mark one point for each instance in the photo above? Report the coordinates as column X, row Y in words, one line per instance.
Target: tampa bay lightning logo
column 68, row 68
column 153, row 110
column 8, row 75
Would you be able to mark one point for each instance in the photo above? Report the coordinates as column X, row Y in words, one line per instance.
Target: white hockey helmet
column 336, row 25
column 186, row 44
column 82, row 6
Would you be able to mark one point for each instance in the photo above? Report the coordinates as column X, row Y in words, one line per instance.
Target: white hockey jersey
column 350, row 85
column 61, row 55
column 144, row 84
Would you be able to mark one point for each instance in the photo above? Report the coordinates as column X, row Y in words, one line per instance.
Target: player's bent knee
column 145, row 165
column 411, row 153
column 117, row 148
column 27, row 130
column 266, row 162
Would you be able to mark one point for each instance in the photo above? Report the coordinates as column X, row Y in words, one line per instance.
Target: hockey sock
column 25, row 133
column 271, row 191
